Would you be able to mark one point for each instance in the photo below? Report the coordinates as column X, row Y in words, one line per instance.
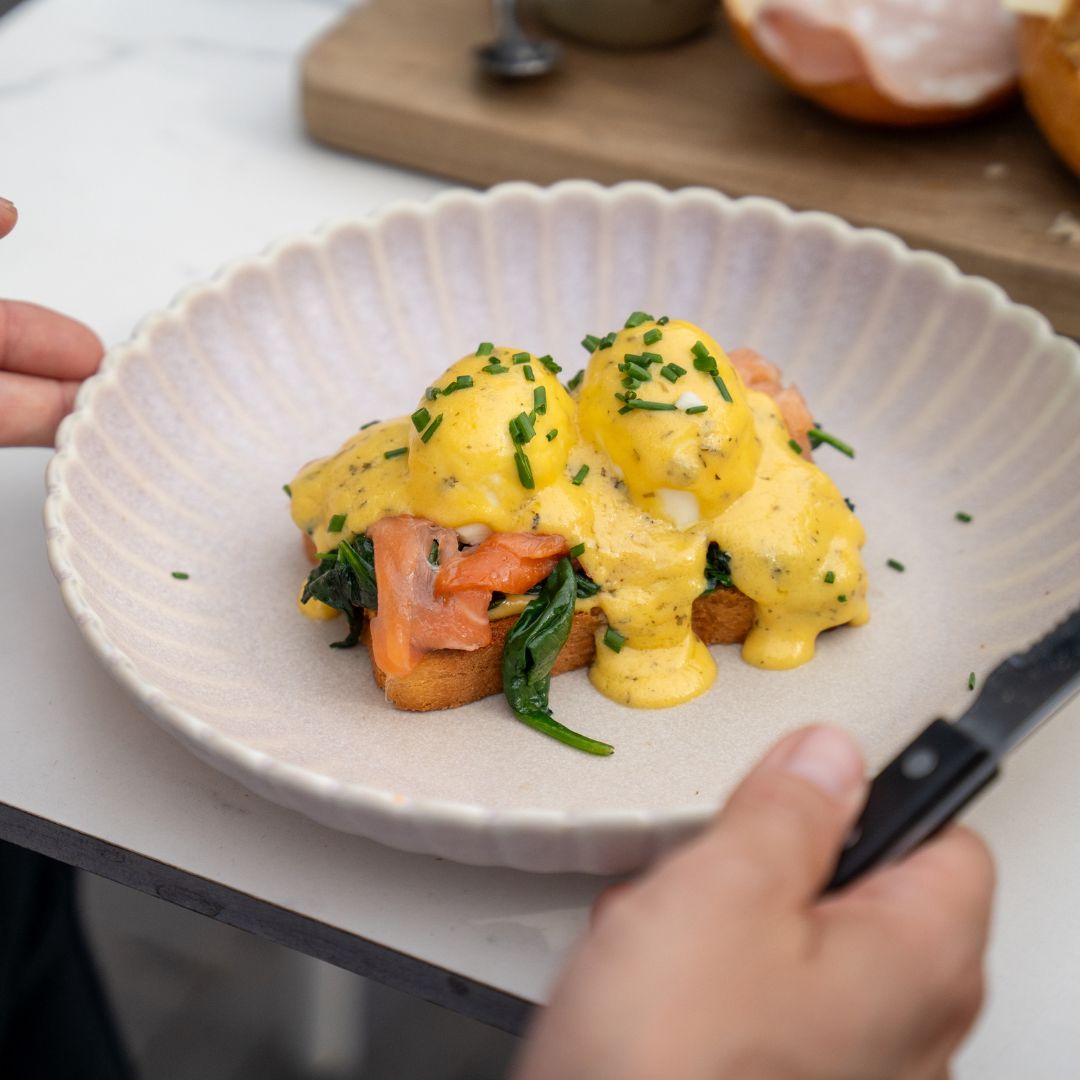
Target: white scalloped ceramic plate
column 956, row 399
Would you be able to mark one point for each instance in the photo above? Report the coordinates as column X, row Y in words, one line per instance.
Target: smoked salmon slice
column 411, row 619
column 504, row 562
column 758, row 374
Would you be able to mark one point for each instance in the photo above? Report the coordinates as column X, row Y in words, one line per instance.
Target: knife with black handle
column 947, row 764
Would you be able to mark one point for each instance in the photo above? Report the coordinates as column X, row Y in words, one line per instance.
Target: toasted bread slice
column 447, row 678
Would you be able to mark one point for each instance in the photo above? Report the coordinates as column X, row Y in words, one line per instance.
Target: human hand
column 725, row 962
column 43, row 358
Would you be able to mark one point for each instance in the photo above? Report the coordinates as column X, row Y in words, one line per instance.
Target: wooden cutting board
column 394, row 79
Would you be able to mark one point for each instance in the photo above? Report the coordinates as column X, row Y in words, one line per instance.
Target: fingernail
column 828, row 758
column 6, row 202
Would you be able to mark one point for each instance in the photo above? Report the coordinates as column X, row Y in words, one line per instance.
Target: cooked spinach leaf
column 360, row 555
column 356, row 628
column 529, row 654
column 717, row 569
column 345, row 579
column 583, row 584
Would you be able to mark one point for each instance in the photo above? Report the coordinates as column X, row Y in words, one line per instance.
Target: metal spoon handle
column 507, row 24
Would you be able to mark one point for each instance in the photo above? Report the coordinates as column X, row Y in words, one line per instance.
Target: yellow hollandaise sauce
column 658, row 452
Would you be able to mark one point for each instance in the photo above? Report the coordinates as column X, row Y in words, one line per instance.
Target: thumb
column 8, row 216
column 784, row 826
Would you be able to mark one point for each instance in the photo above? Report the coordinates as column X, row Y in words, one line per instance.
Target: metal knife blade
column 946, row 765
column 1026, row 689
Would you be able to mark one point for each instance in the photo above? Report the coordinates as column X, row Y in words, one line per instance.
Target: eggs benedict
column 512, row 512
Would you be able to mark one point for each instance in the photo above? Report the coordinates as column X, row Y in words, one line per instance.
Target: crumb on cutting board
column 1065, row 228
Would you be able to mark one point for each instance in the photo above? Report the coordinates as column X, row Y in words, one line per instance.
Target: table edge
column 391, row 967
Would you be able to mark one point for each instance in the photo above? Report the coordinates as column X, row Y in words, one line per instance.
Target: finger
column 781, row 832
column 927, row 920
column 8, row 216
column 31, row 409
column 949, row 878
column 37, row 341
column 601, row 903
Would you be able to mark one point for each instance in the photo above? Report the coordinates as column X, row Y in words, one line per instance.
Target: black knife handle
column 919, row 791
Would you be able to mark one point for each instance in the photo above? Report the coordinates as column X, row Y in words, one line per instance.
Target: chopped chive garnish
column 485, row 348
column 551, row 434
column 971, row 677
column 524, row 469
column 699, row 350
column 433, row 554
column 608, row 340
column 370, row 423
column 590, row 342
column 842, row 598
column 528, row 372
column 794, row 446
column 652, row 406
column 894, row 565
column 337, row 523
column 287, row 490
column 722, row 387
column 577, row 551
column 613, row 639
column 540, row 400
column 653, row 336
column 580, row 475
column 462, row 382
column 432, row 392
column 525, row 427
column 420, row 419
column 965, row 518
column 663, row 320
column 494, row 369
column 181, row 576
column 652, row 358
column 575, row 382
column 672, row 372
column 629, row 382
column 432, row 428
column 830, row 577
column 636, row 372
column 706, row 364
column 697, row 409
column 636, row 319
column 521, row 358
column 635, row 358
column 396, row 453
column 550, row 365
column 817, row 436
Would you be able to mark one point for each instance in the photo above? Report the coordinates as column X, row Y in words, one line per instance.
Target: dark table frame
column 352, row 952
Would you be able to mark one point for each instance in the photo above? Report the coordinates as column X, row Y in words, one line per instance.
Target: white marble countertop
column 145, row 144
